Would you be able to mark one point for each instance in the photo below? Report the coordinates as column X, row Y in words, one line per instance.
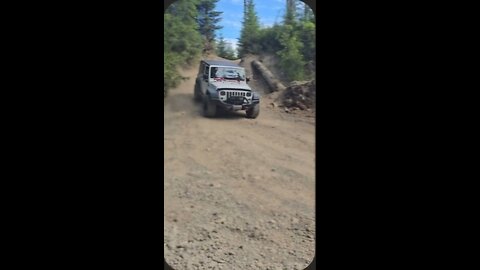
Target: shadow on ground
column 184, row 103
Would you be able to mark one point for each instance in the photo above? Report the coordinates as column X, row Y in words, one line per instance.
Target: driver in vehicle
column 214, row 73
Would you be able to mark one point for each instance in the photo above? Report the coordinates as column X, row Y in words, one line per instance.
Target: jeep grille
column 235, row 93
column 235, row 97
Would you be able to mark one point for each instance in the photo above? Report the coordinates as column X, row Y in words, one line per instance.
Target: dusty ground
column 239, row 193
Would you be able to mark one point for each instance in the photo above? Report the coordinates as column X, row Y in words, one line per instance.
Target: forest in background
column 189, row 32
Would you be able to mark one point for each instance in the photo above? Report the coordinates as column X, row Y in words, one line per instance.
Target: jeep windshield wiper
column 234, row 79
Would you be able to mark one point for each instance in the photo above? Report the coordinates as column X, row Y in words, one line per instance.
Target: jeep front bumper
column 230, row 107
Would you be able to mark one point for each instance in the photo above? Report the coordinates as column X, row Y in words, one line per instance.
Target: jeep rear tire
column 209, row 107
column 196, row 93
column 254, row 111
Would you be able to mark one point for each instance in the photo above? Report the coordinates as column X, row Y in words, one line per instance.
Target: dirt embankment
column 239, row 193
column 297, row 98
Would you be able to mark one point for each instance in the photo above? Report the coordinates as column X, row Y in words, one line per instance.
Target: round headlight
column 249, row 94
column 222, row 93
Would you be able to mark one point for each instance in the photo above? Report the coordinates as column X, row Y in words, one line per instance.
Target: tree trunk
column 273, row 83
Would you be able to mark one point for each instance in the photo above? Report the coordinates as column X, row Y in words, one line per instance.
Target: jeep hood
column 231, row 84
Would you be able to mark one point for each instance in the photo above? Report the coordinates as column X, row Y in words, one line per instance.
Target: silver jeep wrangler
column 223, row 84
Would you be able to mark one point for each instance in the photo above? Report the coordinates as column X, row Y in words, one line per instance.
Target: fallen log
column 273, row 83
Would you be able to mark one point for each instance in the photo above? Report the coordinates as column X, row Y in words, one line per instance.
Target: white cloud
column 233, row 42
column 267, row 24
column 268, row 21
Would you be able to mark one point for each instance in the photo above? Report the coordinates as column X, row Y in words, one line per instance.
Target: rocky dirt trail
column 239, row 193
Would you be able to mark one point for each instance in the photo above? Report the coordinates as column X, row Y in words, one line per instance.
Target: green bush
column 291, row 59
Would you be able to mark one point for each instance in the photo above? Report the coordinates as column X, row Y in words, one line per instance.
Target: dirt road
column 239, row 193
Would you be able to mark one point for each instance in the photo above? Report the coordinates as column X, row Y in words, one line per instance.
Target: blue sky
column 268, row 12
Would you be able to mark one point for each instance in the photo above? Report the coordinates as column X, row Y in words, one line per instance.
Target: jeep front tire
column 254, row 111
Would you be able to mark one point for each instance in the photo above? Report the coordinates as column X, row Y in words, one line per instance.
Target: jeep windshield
column 228, row 73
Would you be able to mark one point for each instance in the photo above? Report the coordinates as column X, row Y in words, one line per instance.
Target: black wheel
column 209, row 108
column 254, row 111
column 196, row 93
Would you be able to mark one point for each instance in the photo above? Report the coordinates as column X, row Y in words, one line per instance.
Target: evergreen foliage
column 290, row 12
column 225, row 50
column 189, row 29
column 308, row 14
column 208, row 20
column 291, row 60
column 248, row 42
column 268, row 39
column 221, row 47
column 190, row 25
column 306, row 34
column 181, row 40
column 293, row 40
column 229, row 52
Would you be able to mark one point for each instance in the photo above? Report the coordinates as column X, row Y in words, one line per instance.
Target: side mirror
column 248, row 79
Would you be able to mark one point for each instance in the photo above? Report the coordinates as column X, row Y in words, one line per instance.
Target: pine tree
column 208, row 20
column 250, row 31
column 291, row 59
column 182, row 41
column 225, row 49
column 307, row 13
column 221, row 47
column 229, row 52
column 306, row 34
column 181, row 34
column 245, row 7
column 290, row 12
